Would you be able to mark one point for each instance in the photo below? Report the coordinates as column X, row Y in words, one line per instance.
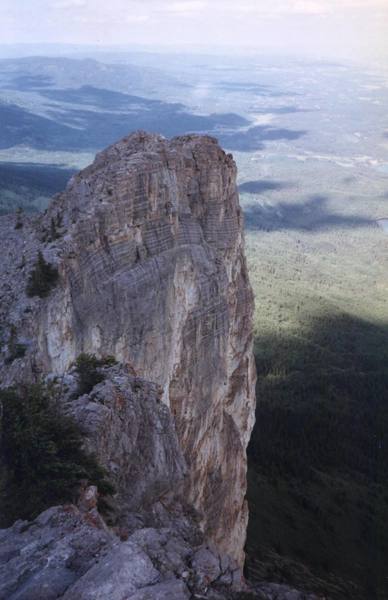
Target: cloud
column 277, row 8
column 66, row 4
column 136, row 18
column 307, row 7
column 331, row 28
column 191, row 6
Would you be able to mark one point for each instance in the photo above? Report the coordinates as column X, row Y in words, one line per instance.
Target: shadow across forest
column 48, row 178
column 107, row 117
column 252, row 139
column 88, row 118
column 311, row 215
column 262, row 185
column 252, row 88
column 30, row 185
column 282, row 110
column 26, row 83
column 101, row 98
column 318, row 459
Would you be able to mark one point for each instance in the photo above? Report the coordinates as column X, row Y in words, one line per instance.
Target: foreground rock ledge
column 149, row 246
column 153, row 550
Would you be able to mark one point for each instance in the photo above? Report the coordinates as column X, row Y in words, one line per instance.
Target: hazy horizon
column 314, row 29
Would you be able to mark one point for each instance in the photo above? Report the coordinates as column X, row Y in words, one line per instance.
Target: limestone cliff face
column 152, row 270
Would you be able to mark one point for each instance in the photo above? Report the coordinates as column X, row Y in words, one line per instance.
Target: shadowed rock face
column 152, row 270
column 152, row 548
column 132, row 434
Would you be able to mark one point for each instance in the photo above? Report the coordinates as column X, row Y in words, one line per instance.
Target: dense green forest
column 318, row 456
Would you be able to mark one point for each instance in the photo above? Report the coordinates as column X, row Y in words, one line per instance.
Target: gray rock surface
column 132, row 434
column 148, row 242
column 67, row 553
column 149, row 247
column 43, row 558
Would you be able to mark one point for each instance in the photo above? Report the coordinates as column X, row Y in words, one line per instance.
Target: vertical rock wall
column 152, row 270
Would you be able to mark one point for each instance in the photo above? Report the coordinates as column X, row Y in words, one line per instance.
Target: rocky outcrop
column 65, row 554
column 149, row 246
column 148, row 546
column 132, row 434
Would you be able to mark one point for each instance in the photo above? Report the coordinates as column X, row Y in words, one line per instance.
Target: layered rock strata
column 148, row 242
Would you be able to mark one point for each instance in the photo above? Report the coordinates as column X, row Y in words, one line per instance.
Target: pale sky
column 355, row 29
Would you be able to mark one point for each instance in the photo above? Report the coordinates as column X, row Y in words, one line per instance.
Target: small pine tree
column 19, row 220
column 15, row 349
column 42, row 278
column 53, row 230
column 89, row 375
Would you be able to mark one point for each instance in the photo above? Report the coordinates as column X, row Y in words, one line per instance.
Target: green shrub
column 53, row 230
column 18, row 351
column 19, row 218
column 15, row 349
column 55, row 225
column 42, row 278
column 41, row 458
column 88, row 370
